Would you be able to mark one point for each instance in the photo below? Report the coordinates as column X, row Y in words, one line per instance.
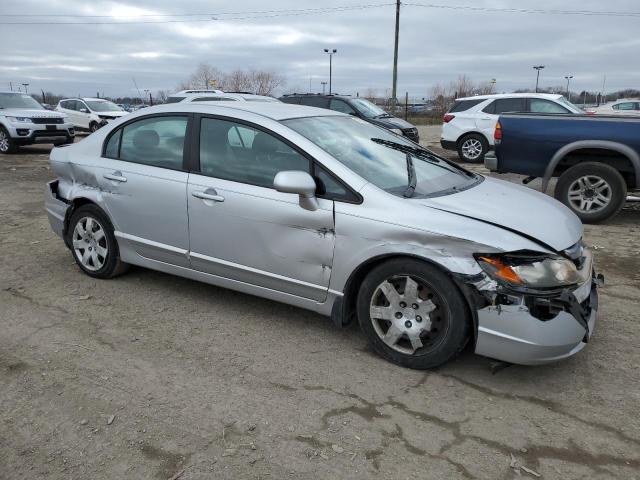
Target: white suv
column 217, row 95
column 90, row 113
column 469, row 124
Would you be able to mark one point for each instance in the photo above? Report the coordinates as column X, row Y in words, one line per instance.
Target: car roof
column 548, row 96
column 318, row 95
column 239, row 96
column 273, row 110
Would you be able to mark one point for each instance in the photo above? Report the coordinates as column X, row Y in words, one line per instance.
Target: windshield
column 18, row 100
column 367, row 109
column 102, row 106
column 380, row 157
column 572, row 108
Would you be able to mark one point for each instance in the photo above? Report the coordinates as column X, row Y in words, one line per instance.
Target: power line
column 603, row 13
column 212, row 16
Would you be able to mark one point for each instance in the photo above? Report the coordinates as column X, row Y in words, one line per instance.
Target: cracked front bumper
column 512, row 334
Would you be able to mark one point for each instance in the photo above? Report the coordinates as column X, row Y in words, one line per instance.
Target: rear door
column 241, row 228
column 489, row 115
column 144, row 180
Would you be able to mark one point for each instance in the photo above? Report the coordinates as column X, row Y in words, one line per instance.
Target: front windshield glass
column 361, row 147
column 367, row 109
column 103, row 106
column 18, row 100
column 572, row 108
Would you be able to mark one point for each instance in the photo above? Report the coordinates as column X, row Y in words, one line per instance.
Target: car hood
column 516, row 208
column 31, row 113
column 391, row 122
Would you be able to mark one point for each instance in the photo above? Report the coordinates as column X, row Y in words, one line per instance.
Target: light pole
column 493, row 84
column 25, row 87
column 323, row 85
column 568, row 79
column 330, row 52
column 538, row 68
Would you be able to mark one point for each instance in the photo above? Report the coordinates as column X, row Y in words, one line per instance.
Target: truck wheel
column 472, row 148
column 7, row 145
column 593, row 191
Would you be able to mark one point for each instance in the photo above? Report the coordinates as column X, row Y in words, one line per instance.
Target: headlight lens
column 396, row 131
column 19, row 119
column 528, row 271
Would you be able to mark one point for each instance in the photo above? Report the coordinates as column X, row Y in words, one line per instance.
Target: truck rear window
column 464, row 105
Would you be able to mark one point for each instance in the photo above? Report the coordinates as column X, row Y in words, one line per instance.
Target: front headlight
column 19, row 119
column 396, row 131
column 522, row 270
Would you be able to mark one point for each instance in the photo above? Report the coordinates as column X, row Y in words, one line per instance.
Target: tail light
column 497, row 134
column 448, row 117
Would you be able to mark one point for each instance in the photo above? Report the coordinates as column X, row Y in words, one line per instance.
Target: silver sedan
column 327, row 212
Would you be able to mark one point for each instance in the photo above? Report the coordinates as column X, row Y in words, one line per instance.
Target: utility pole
column 11, row 86
column 568, row 79
column 538, row 68
column 395, row 58
column 25, row 87
column 331, row 52
column 323, row 85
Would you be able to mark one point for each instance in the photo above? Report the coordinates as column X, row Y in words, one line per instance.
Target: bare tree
column 238, row 81
column 441, row 97
column 206, row 76
column 162, row 95
column 371, row 94
column 265, row 82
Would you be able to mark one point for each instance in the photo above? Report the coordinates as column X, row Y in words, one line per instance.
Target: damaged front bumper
column 55, row 207
column 534, row 329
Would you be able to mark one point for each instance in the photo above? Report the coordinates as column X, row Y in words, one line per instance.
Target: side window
column 156, row 141
column 504, row 105
column 81, row 105
column 243, row 154
column 112, row 149
column 71, row 105
column 464, row 105
column 329, row 187
column 624, row 106
column 319, row 102
column 538, row 105
column 294, row 100
column 491, row 108
column 341, row 106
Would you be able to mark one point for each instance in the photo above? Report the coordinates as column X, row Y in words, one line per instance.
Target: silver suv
column 327, row 212
column 23, row 121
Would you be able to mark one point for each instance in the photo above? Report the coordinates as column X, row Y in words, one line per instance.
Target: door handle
column 115, row 176
column 209, row 194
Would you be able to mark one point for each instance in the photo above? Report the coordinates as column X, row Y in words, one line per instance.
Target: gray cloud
column 436, row 45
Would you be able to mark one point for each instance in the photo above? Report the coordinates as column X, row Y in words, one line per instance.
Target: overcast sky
column 436, row 44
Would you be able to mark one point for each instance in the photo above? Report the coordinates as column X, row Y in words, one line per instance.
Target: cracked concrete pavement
column 205, row 382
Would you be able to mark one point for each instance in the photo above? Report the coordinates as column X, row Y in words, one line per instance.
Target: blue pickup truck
column 597, row 158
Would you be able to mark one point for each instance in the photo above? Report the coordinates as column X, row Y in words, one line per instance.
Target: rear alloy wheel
column 7, row 145
column 594, row 191
column 413, row 314
column 472, row 148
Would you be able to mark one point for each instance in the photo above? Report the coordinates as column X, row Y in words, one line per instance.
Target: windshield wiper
column 411, row 172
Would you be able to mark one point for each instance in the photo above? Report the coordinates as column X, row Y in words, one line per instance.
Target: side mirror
column 84, row 110
column 299, row 182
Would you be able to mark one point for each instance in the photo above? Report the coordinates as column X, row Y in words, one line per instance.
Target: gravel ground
column 150, row 376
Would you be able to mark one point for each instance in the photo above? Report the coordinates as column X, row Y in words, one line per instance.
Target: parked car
column 358, row 107
column 90, row 113
column 469, row 124
column 216, row 95
column 619, row 107
column 324, row 211
column 23, row 121
column 596, row 159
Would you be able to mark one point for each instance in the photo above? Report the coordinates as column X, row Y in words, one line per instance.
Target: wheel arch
column 621, row 152
column 74, row 205
column 344, row 310
column 472, row 132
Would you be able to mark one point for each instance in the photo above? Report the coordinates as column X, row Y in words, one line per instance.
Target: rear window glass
column 295, row 100
column 464, row 105
column 315, row 102
column 174, row 99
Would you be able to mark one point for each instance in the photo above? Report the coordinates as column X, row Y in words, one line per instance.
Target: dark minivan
column 358, row 107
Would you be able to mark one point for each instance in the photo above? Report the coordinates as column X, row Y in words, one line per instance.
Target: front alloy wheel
column 6, row 144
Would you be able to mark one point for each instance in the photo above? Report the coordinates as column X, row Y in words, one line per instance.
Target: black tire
column 615, row 191
column 93, row 127
column 112, row 265
column 448, row 325
column 464, row 148
column 7, row 144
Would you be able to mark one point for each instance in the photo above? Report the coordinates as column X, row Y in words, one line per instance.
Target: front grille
column 50, row 133
column 47, row 120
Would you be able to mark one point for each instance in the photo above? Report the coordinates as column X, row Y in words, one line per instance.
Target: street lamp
column 568, row 78
column 493, row 84
column 538, row 68
column 330, row 52
column 324, row 84
column 25, row 87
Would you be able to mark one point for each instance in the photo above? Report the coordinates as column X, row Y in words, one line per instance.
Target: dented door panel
column 260, row 236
